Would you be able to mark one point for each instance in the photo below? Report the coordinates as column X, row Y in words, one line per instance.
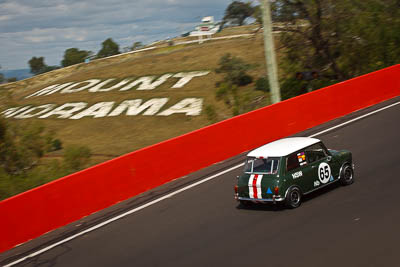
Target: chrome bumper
column 273, row 199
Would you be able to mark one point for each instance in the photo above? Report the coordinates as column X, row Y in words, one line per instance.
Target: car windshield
column 261, row 165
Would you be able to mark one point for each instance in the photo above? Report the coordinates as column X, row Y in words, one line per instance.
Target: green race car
column 287, row 169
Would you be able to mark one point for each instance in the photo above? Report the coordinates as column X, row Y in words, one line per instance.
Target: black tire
column 347, row 175
column 293, row 198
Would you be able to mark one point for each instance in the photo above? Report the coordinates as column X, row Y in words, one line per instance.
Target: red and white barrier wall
column 35, row 212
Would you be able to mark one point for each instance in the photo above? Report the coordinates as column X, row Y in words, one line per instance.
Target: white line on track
column 123, row 215
column 355, row 119
column 175, row 193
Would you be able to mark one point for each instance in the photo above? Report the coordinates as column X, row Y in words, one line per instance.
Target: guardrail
column 215, row 38
column 35, row 212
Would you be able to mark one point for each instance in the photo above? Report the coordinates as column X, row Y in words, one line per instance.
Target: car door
column 321, row 165
column 297, row 170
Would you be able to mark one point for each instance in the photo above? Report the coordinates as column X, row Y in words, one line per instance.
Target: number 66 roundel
column 324, row 172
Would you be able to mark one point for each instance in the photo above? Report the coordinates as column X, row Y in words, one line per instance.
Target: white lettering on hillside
column 65, row 111
column 75, row 111
column 97, row 111
column 98, row 88
column 146, row 83
column 134, row 107
column 72, row 89
column 28, row 113
column 50, row 89
column 190, row 106
column 78, row 110
column 11, row 112
column 142, row 83
column 187, row 76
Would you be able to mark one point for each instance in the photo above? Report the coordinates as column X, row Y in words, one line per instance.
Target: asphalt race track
column 357, row 225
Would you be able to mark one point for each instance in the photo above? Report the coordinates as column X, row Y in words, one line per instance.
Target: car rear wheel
column 293, row 198
column 347, row 175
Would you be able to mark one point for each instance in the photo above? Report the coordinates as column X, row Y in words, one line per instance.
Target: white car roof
column 282, row 147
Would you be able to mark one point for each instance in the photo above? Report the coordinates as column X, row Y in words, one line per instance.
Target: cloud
column 5, row 17
column 48, row 27
column 52, row 34
column 39, row 39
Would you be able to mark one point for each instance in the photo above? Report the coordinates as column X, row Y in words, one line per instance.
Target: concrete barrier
column 35, row 212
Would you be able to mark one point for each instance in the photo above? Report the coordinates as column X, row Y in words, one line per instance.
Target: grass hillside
column 108, row 137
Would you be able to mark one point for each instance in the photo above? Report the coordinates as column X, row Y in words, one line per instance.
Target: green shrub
column 245, row 80
column 211, row 113
column 234, row 70
column 56, row 144
column 76, row 157
column 22, row 145
column 262, row 84
column 293, row 87
column 222, row 90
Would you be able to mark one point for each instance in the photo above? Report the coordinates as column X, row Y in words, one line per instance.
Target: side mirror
column 329, row 158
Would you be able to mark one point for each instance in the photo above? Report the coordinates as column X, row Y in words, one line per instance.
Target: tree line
column 322, row 42
column 74, row 56
column 334, row 39
column 319, row 43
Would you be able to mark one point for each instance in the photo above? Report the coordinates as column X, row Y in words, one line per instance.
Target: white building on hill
column 207, row 27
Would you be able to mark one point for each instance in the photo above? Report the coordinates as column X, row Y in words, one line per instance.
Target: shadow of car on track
column 280, row 206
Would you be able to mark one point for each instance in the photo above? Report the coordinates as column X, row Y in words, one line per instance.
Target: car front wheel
column 347, row 175
column 293, row 198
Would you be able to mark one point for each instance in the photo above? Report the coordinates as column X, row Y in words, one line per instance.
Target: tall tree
column 21, row 146
column 257, row 14
column 339, row 44
column 37, row 64
column 109, row 48
column 234, row 70
column 237, row 12
column 74, row 56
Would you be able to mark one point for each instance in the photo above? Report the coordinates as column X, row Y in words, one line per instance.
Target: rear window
column 261, row 165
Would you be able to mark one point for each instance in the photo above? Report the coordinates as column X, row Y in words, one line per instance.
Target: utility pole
column 270, row 57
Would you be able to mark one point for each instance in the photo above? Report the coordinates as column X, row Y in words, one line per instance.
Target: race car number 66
column 324, row 172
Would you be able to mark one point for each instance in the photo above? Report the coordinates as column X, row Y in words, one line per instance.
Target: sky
column 46, row 28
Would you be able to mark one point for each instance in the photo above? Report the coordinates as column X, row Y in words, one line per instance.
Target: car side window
column 292, row 162
column 315, row 152
column 295, row 160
